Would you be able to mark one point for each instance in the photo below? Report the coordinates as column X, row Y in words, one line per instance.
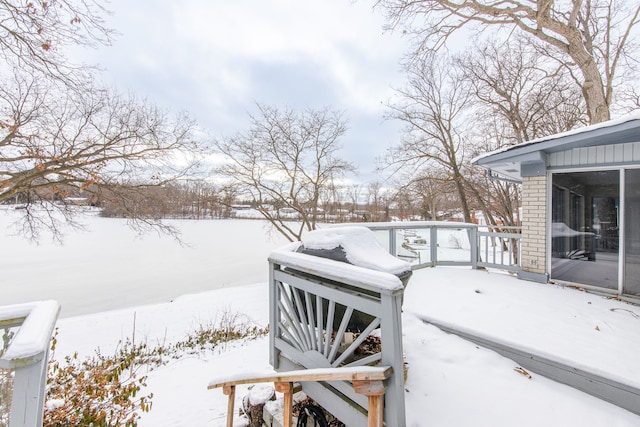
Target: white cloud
column 215, row 59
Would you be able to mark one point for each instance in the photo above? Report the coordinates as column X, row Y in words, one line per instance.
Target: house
column 580, row 204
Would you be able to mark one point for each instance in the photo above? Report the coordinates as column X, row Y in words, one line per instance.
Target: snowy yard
column 108, row 266
column 451, row 382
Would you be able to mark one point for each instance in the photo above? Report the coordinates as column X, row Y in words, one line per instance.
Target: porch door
column 585, row 226
column 632, row 232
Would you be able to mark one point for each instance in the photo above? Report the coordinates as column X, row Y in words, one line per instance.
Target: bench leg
column 287, row 389
column 230, row 391
column 374, row 389
column 376, row 411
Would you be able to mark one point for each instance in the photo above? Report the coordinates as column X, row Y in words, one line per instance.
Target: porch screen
column 584, row 228
column 632, row 232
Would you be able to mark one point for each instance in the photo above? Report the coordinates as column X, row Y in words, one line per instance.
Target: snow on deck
column 450, row 381
column 583, row 330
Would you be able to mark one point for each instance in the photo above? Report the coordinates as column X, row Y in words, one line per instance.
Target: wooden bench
column 366, row 380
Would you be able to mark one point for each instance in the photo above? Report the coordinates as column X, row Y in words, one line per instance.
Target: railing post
column 28, row 394
column 274, row 297
column 393, row 355
column 474, row 242
column 393, row 245
column 433, row 241
column 27, row 355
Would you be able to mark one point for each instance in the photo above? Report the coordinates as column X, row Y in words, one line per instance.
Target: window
column 632, row 232
column 585, row 227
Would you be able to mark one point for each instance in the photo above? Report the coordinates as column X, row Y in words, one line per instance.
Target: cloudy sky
column 217, row 58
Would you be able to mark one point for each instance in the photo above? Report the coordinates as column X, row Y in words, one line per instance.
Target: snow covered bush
column 100, row 390
column 110, row 390
column 211, row 334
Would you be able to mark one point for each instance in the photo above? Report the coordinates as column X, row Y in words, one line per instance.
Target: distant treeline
column 197, row 199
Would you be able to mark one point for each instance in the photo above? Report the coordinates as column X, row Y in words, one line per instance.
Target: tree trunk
column 463, row 198
column 592, row 86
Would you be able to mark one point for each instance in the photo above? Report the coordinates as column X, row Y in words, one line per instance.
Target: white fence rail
column 24, row 359
column 499, row 247
column 311, row 309
column 432, row 243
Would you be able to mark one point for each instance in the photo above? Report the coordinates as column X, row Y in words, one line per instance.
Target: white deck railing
column 432, row 243
column 499, row 247
column 26, row 357
column 312, row 304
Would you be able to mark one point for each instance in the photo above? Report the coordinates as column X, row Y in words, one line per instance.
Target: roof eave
column 617, row 132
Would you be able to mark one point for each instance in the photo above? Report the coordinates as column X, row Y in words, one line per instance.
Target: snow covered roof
column 508, row 161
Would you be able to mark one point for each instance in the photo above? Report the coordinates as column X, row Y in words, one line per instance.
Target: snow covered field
column 451, row 382
column 109, row 266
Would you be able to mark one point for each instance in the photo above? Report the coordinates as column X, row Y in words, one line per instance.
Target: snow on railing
column 432, row 243
column 315, row 306
column 428, row 243
column 25, row 355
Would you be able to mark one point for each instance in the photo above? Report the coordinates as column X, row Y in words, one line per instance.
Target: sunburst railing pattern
column 322, row 312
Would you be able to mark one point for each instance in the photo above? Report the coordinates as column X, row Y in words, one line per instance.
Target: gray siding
column 595, row 156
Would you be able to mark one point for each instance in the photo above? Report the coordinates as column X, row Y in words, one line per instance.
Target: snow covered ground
column 109, row 266
column 451, row 382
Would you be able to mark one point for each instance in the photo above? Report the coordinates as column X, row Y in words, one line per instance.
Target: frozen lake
column 109, row 266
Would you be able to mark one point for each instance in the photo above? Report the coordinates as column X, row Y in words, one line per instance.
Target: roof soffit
column 618, row 133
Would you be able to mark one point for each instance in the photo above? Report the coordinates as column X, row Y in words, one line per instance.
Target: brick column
column 534, row 222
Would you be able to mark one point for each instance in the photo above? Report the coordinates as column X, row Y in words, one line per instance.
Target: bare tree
column 592, row 38
column 229, row 193
column 521, row 89
column 56, row 143
column 434, row 107
column 519, row 95
column 374, row 201
column 431, row 189
column 285, row 162
column 354, row 193
column 61, row 135
column 34, row 36
column 405, row 204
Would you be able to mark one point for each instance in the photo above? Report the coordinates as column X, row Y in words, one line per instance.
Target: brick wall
column 534, row 220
